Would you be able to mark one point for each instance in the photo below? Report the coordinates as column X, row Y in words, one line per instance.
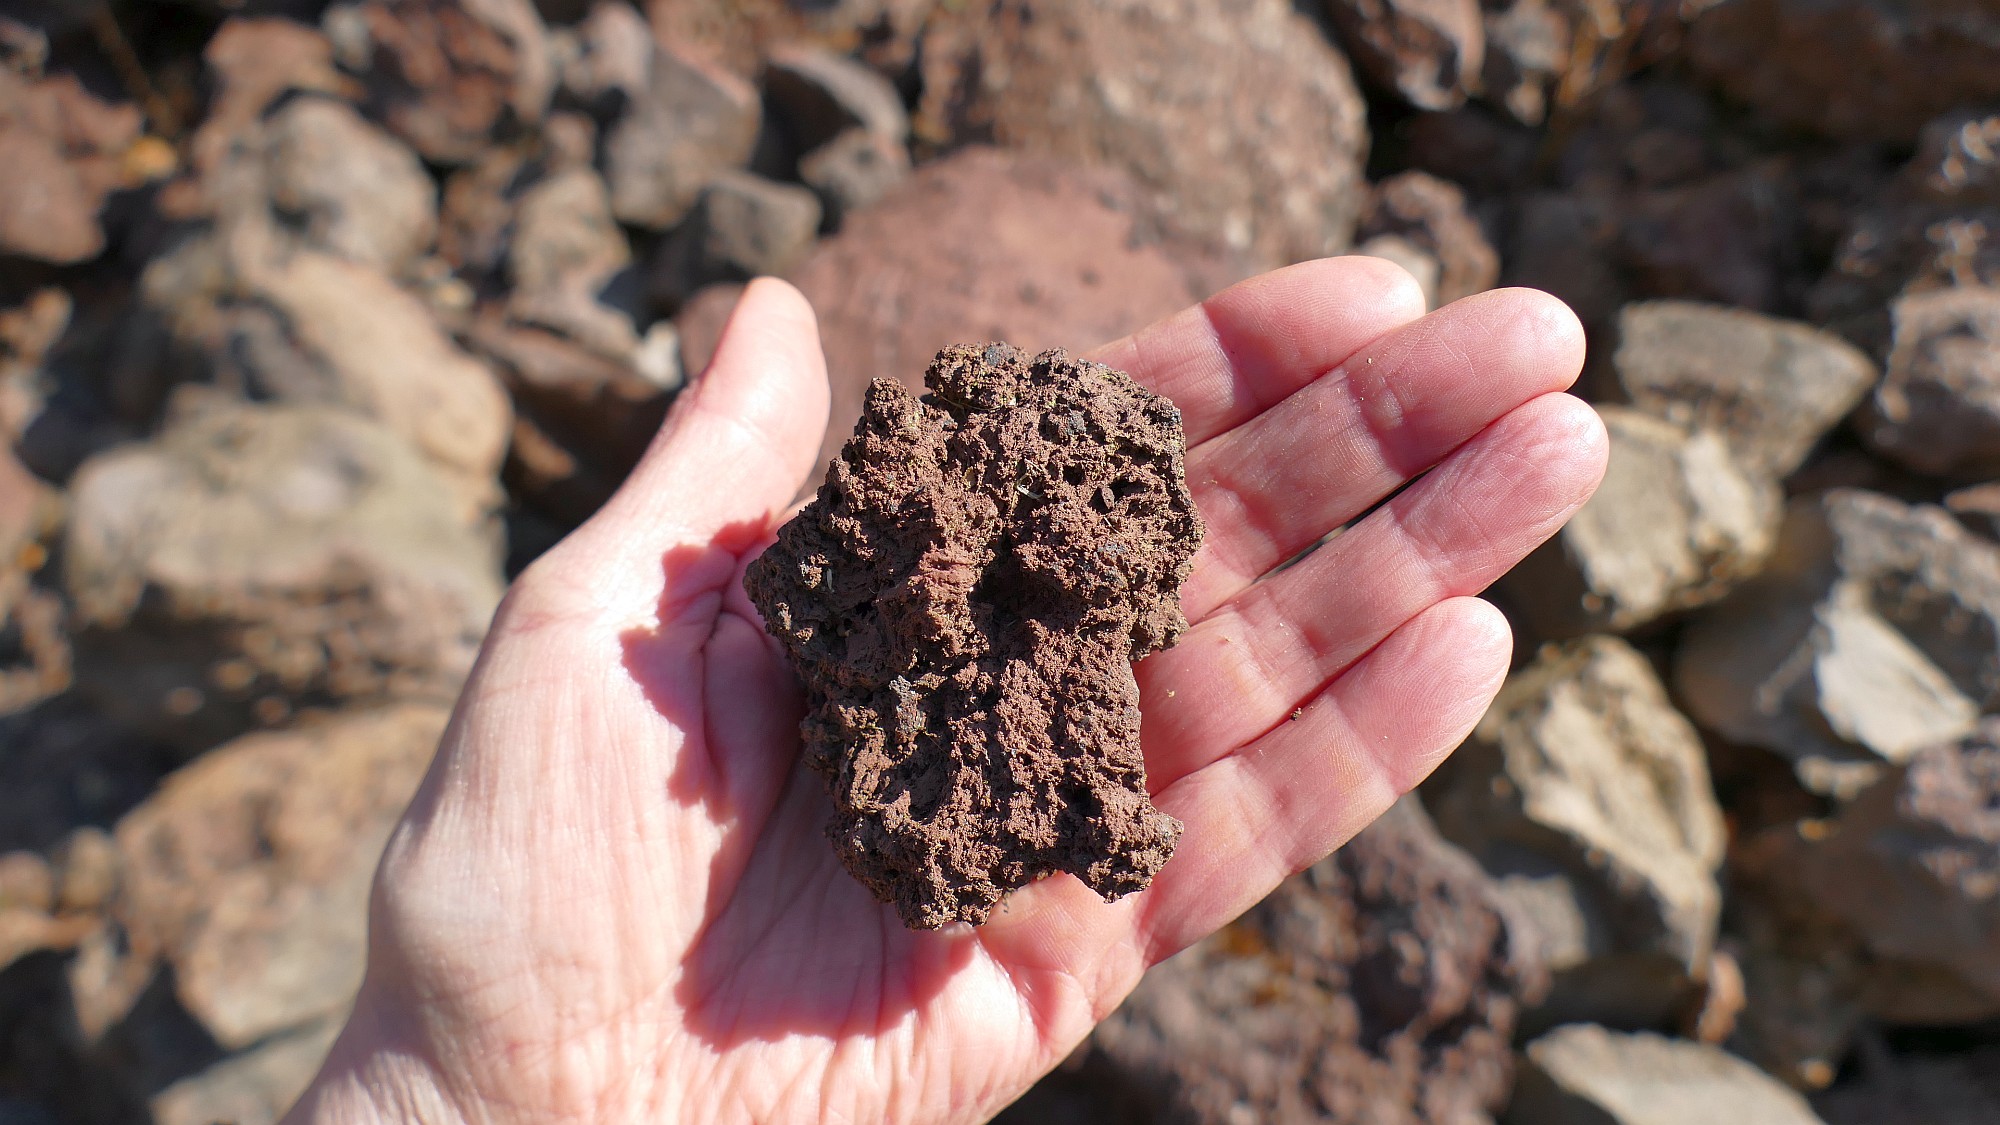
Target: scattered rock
column 1587, row 796
column 854, row 170
column 1857, row 69
column 566, row 251
column 252, row 1087
column 1870, row 635
column 744, row 226
column 1585, row 1075
column 1430, row 213
column 1381, row 985
column 63, row 152
column 1938, row 408
column 1769, row 388
column 448, row 76
column 737, row 33
column 816, row 95
column 1907, row 871
column 690, row 123
column 1676, row 523
column 309, row 327
column 355, row 190
column 253, row 560
column 1018, row 248
column 1429, row 52
column 1253, row 138
column 970, row 587
column 247, row 873
column 1529, row 46
column 1953, row 1089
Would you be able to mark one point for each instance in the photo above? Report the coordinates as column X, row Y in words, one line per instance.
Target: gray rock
column 1873, row 633
column 305, row 326
column 252, row 1087
column 356, row 191
column 1584, row 1075
column 744, row 226
column 1771, row 388
column 1676, row 523
column 816, row 95
column 1430, row 214
column 854, row 170
column 1938, row 408
column 566, row 250
column 1430, row 52
column 252, row 560
column 690, row 123
column 1529, row 45
column 247, row 874
column 1588, row 796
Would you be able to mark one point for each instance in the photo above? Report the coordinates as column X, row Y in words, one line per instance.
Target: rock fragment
column 355, row 190
column 62, row 149
column 1770, row 388
column 1869, row 636
column 1381, row 984
column 448, row 76
column 1588, row 797
column 1020, row 248
column 964, row 599
column 1253, row 138
column 1430, row 214
column 1676, row 523
column 744, row 226
column 690, row 123
column 253, row 560
column 1938, row 408
column 1584, row 1075
column 1429, row 52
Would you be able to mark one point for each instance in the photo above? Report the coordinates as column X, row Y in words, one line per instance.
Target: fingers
column 1237, row 353
column 1280, row 481
column 1243, row 669
column 1267, row 810
column 1285, row 801
column 742, row 439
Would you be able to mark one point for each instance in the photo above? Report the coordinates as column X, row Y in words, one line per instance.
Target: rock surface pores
column 964, row 599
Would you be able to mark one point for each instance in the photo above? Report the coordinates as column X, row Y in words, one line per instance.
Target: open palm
column 612, row 899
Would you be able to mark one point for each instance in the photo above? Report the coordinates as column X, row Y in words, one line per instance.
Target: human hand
column 612, row 899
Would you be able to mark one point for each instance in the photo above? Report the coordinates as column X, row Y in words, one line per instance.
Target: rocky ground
column 319, row 319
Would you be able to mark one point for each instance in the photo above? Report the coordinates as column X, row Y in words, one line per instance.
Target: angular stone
column 1870, row 635
column 448, row 76
column 1252, row 137
column 1584, row 1075
column 1381, row 984
column 358, row 192
column 1938, row 408
column 1588, row 797
column 1675, row 524
column 1770, row 388
column 1429, row 52
column 565, row 252
column 744, row 226
column 251, row 1087
column 816, row 95
column 854, row 170
column 1430, row 214
column 252, row 560
column 690, row 123
column 1016, row 248
column 1857, row 69
column 248, row 872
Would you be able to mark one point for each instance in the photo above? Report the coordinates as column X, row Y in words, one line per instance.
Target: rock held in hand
column 964, row 599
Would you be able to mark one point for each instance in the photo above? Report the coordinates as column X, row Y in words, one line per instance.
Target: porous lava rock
column 964, row 599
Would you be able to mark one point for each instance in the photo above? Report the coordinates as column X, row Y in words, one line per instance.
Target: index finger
column 1249, row 347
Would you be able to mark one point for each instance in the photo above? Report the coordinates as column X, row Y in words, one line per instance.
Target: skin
column 611, row 900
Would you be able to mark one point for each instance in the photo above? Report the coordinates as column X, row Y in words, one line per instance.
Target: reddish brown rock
column 1430, row 214
column 964, row 599
column 1238, row 120
column 1017, row 247
column 1859, row 69
column 1380, row 986
column 62, row 149
column 448, row 76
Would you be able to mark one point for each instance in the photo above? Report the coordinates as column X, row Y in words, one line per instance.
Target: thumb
column 741, row 441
